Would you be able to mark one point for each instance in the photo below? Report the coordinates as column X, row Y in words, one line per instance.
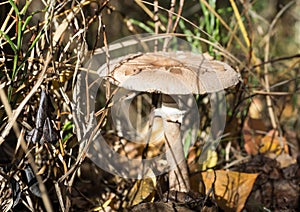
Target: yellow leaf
column 142, row 190
column 273, row 143
column 231, row 188
column 211, row 160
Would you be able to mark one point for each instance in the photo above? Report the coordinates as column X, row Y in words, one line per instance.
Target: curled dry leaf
column 31, row 181
column 44, row 128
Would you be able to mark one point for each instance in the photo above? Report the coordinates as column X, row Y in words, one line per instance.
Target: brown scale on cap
column 161, row 72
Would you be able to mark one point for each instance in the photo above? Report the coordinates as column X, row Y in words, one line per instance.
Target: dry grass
column 43, row 46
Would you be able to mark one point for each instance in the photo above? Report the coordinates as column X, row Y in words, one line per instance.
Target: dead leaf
column 251, row 141
column 251, row 136
column 141, row 191
column 231, row 188
column 211, row 160
column 256, row 108
column 285, row 160
column 44, row 128
column 273, row 143
column 253, row 127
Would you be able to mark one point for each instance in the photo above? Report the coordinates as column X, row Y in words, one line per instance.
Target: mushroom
column 171, row 73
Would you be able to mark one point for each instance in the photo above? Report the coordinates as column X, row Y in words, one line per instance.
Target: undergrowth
column 45, row 44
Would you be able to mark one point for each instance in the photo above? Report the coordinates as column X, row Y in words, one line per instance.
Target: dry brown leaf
column 232, row 126
column 285, row 160
column 251, row 142
column 273, row 143
column 256, row 108
column 251, row 138
column 142, row 190
column 254, row 123
column 231, row 188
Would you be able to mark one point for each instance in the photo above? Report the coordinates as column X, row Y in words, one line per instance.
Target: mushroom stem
column 178, row 176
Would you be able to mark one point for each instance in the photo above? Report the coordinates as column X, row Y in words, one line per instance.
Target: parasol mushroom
column 171, row 73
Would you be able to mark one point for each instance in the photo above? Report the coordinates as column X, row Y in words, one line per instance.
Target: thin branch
column 179, row 12
column 277, row 60
column 170, row 14
column 266, row 65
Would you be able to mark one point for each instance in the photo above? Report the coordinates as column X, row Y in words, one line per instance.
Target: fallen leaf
column 251, row 142
column 44, row 129
column 256, row 108
column 273, row 143
column 231, row 188
column 16, row 191
column 141, row 191
column 211, row 160
column 31, row 181
column 252, row 139
column 284, row 160
column 253, row 124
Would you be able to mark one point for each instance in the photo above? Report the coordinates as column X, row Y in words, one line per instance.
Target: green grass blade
column 141, row 25
column 11, row 43
column 12, row 3
column 26, row 22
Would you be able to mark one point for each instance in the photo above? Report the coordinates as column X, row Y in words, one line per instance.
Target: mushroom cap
column 170, row 73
